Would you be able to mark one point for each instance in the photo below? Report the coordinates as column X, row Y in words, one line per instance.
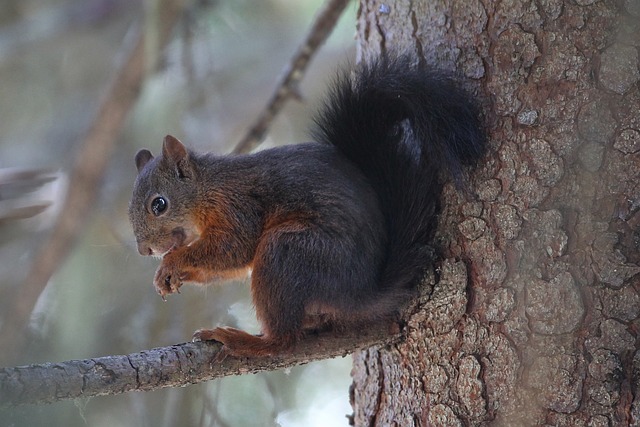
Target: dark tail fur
column 407, row 129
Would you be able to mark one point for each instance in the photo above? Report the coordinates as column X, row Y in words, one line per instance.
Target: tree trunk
column 534, row 317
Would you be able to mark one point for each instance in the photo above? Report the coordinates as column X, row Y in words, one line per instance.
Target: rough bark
column 537, row 321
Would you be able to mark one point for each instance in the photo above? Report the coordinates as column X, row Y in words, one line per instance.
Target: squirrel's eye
column 158, row 206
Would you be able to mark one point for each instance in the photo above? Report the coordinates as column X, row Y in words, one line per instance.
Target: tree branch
column 177, row 365
column 320, row 30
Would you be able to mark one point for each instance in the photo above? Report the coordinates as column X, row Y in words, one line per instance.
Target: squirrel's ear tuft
column 142, row 158
column 174, row 152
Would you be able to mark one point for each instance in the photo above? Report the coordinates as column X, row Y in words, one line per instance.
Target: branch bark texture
column 173, row 366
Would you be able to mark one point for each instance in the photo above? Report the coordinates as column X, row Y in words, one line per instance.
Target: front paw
column 167, row 280
column 224, row 336
column 239, row 343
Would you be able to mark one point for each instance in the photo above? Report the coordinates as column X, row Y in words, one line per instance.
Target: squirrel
column 333, row 231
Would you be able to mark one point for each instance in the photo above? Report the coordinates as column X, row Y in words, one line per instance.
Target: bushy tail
column 406, row 128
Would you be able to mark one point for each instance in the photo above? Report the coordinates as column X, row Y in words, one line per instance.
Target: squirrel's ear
column 142, row 158
column 177, row 155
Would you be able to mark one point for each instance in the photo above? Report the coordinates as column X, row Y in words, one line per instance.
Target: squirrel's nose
column 144, row 249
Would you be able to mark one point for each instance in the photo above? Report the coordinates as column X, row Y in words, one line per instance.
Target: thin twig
column 320, row 30
column 89, row 168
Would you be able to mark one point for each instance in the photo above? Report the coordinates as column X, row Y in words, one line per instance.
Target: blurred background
column 57, row 58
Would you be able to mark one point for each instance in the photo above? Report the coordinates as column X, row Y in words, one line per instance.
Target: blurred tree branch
column 173, row 366
column 48, row 22
column 320, row 30
column 90, row 164
column 15, row 187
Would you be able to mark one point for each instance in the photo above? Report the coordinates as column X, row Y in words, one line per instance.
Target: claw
column 221, row 356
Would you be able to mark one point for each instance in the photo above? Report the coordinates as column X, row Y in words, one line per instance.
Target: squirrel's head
column 163, row 195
